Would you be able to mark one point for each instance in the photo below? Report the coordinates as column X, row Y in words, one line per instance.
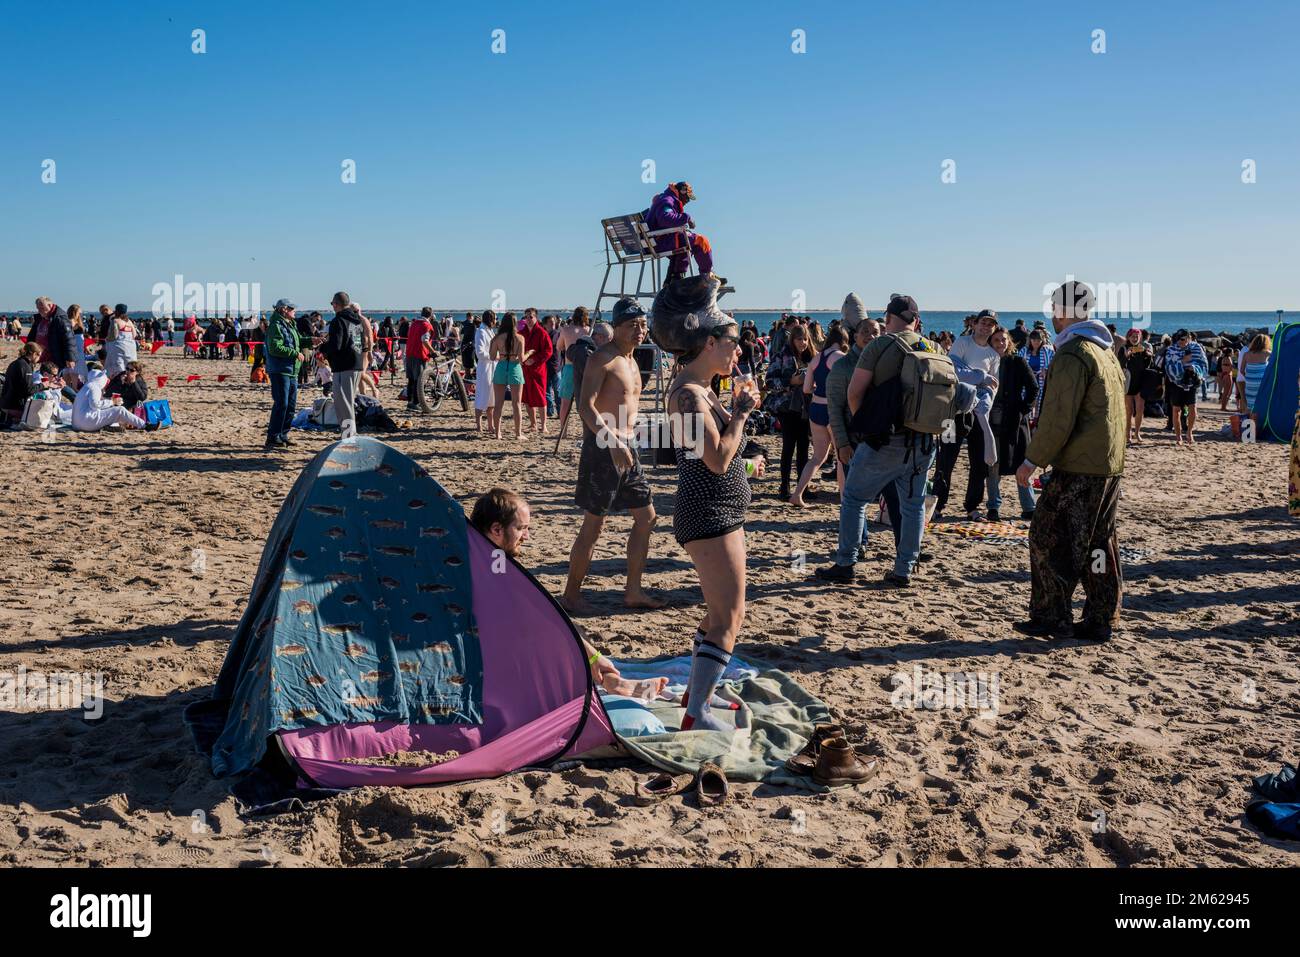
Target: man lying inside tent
column 503, row 518
column 91, row 412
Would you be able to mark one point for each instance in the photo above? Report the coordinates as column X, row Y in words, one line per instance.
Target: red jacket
column 538, row 340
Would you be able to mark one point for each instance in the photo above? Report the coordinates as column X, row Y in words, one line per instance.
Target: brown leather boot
column 806, row 759
column 838, row 764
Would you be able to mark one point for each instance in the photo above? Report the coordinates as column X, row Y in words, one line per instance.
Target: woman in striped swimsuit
column 1039, row 355
column 1251, row 369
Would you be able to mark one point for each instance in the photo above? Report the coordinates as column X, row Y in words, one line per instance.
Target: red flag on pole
column 162, row 381
column 191, row 378
column 221, row 378
column 158, row 344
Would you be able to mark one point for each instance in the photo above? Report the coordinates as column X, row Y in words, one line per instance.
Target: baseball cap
column 284, row 304
column 987, row 314
column 904, row 307
column 625, row 309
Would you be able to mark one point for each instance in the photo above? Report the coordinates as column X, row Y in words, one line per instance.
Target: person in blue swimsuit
column 507, row 350
column 833, row 350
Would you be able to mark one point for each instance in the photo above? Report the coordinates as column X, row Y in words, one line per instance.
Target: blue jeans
column 890, row 495
column 284, row 403
column 1027, row 500
column 552, row 393
column 869, row 472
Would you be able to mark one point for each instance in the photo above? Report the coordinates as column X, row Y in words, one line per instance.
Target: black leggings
column 947, row 459
column 795, row 435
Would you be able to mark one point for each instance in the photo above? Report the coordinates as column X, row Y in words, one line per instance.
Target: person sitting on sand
column 504, row 518
column 609, row 472
column 91, row 412
column 22, row 381
column 129, row 386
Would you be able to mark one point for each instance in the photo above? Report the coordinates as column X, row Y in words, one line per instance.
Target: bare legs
column 499, row 397
column 532, row 419
column 1133, row 407
column 822, row 445
column 638, row 546
column 584, row 547
column 720, row 563
column 1178, row 423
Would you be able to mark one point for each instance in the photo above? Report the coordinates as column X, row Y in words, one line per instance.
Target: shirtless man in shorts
column 609, row 474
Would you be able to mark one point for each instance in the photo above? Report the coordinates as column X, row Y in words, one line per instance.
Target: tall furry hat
column 686, row 313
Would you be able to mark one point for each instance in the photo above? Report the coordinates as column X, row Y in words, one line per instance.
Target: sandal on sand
column 711, row 788
column 658, row 787
column 806, row 759
column 837, row 764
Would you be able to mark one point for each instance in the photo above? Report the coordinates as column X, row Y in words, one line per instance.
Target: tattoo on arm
column 688, row 403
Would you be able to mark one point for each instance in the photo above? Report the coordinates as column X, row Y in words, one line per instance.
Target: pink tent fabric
column 537, row 701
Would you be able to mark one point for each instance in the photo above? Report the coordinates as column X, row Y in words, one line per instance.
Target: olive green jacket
column 1081, row 423
column 837, row 396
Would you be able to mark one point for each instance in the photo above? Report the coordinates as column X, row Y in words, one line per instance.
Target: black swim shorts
column 601, row 487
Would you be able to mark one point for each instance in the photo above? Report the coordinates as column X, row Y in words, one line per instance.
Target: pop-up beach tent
column 381, row 622
column 1275, row 406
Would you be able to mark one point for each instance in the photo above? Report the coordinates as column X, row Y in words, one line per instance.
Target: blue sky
column 817, row 171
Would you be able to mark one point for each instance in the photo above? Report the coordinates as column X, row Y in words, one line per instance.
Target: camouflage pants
column 1073, row 539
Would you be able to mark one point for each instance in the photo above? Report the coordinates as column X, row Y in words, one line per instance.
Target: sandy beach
column 132, row 555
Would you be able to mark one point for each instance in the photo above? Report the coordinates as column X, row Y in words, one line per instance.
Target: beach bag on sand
column 157, row 414
column 39, row 412
column 322, row 412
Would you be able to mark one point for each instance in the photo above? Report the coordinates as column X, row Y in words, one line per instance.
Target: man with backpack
column 902, row 396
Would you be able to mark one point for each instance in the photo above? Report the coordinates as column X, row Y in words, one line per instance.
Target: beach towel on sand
column 775, row 719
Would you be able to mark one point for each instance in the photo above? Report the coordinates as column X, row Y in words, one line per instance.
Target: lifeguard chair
column 629, row 242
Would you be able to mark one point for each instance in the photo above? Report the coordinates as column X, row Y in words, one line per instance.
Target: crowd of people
column 84, row 373
column 877, row 400
column 863, row 388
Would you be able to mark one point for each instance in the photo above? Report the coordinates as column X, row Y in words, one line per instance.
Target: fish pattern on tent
column 362, row 609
